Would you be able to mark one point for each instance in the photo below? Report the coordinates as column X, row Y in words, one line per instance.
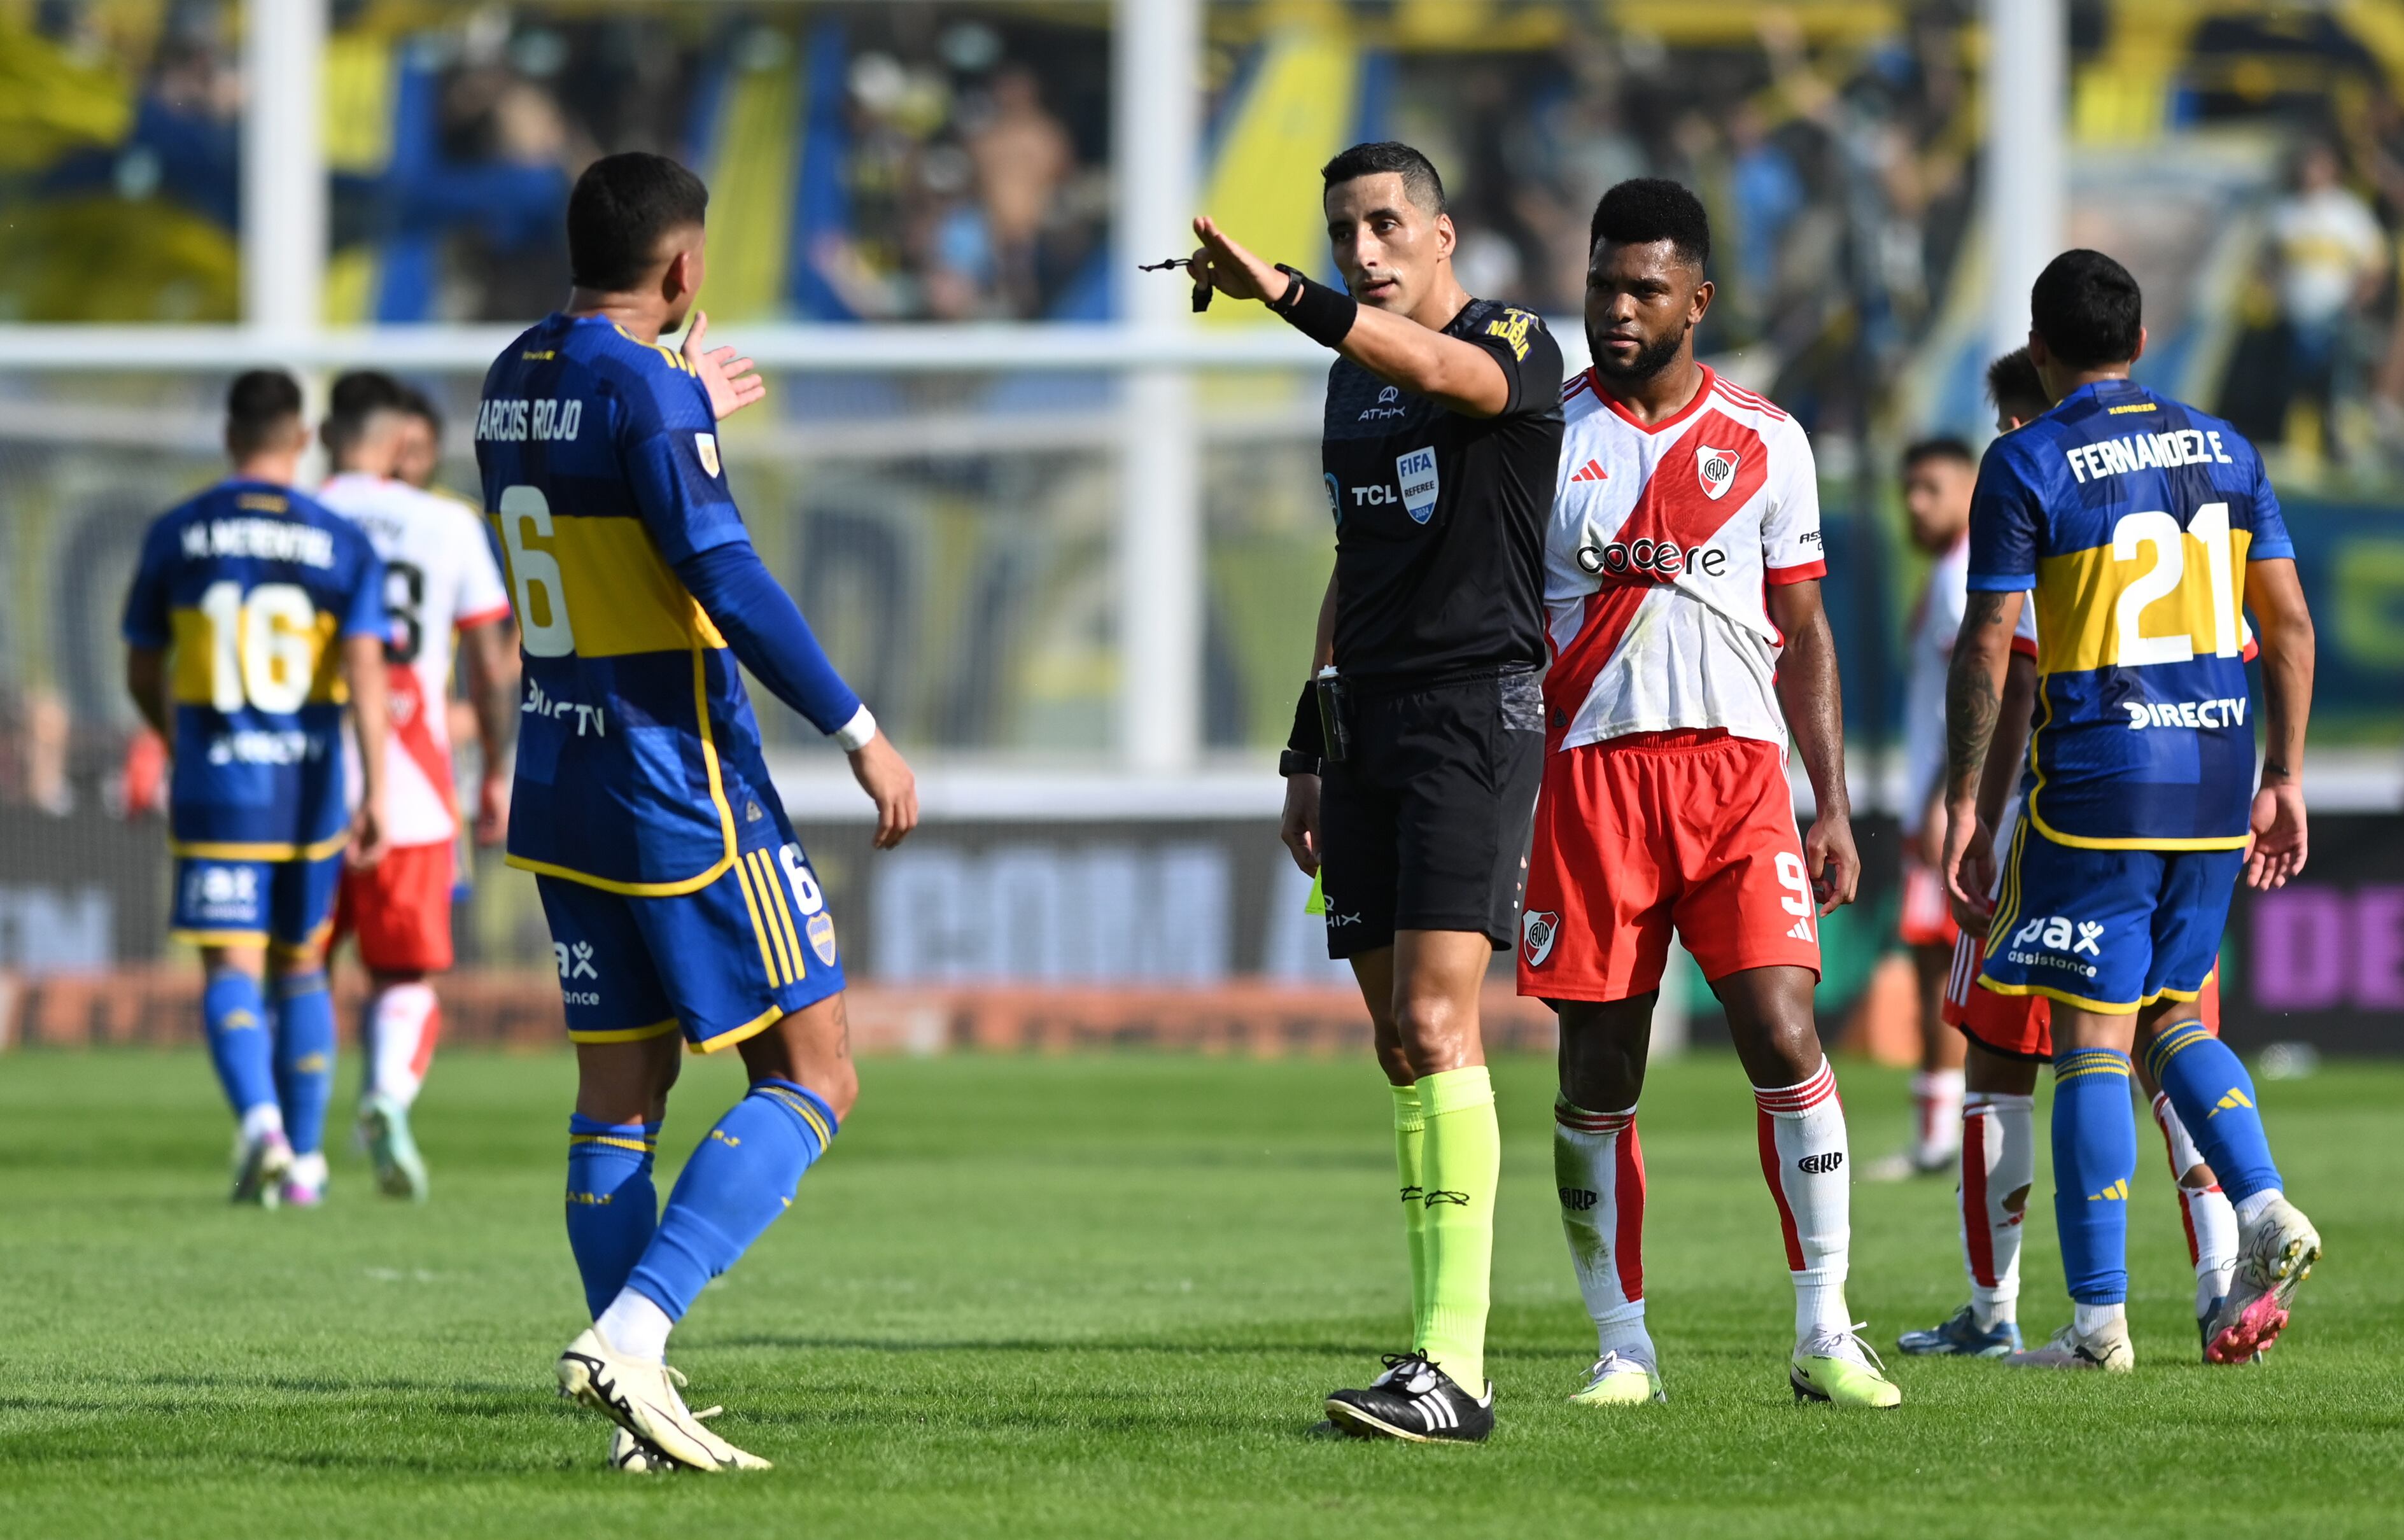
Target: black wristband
column 1291, row 763
column 1309, row 736
column 1321, row 314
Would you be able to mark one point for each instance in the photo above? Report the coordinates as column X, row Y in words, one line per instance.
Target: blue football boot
column 1961, row 1338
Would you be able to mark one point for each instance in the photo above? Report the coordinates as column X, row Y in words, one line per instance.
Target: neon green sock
column 1463, row 1167
column 1410, row 1148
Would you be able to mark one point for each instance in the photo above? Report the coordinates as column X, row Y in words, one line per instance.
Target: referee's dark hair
column 1420, row 183
column 1943, row 446
column 262, row 406
column 624, row 206
column 2088, row 309
column 357, row 397
column 1644, row 209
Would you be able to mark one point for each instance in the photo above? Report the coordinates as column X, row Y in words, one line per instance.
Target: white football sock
column 264, row 1119
column 403, row 1021
column 1936, row 1101
column 2251, row 1208
column 2089, row 1319
column 2210, row 1219
column 1803, row 1153
column 1998, row 1164
column 1598, row 1168
column 309, row 1170
column 634, row 1326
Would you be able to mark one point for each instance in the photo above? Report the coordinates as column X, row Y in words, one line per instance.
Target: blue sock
column 304, row 1057
column 2094, row 1157
column 613, row 1208
column 2214, row 1096
column 743, row 1176
column 240, row 1043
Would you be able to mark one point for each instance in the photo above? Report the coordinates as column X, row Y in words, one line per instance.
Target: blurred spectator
column 2331, row 257
column 1022, row 156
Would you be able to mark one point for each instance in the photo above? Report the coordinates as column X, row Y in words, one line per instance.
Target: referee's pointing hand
column 1236, row 272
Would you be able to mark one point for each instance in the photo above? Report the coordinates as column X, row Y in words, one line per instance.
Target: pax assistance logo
column 1538, row 928
column 1716, row 469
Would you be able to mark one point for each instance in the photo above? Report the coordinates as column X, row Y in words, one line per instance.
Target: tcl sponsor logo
column 1660, row 560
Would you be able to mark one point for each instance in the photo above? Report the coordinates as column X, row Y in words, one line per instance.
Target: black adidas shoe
column 1416, row 1402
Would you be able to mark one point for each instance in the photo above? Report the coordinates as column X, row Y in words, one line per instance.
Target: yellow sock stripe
column 642, row 1146
column 759, row 932
column 2183, row 1036
column 2089, row 1061
column 770, row 879
column 765, row 882
column 803, row 1111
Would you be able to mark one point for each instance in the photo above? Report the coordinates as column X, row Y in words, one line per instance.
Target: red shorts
column 2021, row 1025
column 1636, row 835
column 400, row 910
column 1927, row 919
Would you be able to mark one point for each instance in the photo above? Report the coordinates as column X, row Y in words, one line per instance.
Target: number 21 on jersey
column 2203, row 591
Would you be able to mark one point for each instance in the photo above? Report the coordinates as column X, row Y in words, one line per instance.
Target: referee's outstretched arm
column 1399, row 349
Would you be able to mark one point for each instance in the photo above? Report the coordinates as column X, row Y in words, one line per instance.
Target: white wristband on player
column 855, row 735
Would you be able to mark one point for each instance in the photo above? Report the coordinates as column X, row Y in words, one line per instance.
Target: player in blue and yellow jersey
column 254, row 615
column 2146, row 531
column 683, row 911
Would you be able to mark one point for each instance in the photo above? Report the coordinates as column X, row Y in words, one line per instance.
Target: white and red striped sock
column 1600, row 1170
column 1998, row 1164
column 1803, row 1153
column 2209, row 1218
column 403, row 1021
column 1936, row 1106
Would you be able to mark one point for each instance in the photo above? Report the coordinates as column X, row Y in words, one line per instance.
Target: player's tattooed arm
column 1973, row 707
column 1973, row 691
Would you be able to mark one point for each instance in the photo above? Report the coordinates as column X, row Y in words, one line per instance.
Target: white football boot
column 2274, row 1257
column 2107, row 1349
column 641, row 1397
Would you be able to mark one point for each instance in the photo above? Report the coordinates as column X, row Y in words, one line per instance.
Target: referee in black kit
column 1418, row 743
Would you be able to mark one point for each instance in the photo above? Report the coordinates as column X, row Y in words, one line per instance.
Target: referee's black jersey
column 1440, row 516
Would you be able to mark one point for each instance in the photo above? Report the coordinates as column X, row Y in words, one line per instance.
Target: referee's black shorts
column 1425, row 826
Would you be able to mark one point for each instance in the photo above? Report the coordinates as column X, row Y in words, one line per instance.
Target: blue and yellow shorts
column 722, row 963
column 286, row 906
column 2109, row 930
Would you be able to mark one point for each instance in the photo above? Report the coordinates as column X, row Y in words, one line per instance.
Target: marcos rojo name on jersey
column 517, row 419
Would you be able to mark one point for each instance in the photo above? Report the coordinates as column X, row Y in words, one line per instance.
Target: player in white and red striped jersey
column 440, row 579
column 1681, row 572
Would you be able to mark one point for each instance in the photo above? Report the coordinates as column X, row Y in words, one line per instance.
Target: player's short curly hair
column 622, row 207
column 1421, row 183
column 259, row 404
column 1644, row 209
column 2088, row 309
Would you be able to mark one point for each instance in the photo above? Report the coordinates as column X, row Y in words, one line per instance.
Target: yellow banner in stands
column 1296, row 112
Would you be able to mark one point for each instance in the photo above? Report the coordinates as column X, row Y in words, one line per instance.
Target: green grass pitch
column 1103, row 1296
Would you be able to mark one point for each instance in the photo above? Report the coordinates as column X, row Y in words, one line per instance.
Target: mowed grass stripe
column 1103, row 1296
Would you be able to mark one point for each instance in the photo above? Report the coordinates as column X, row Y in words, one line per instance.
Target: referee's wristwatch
column 1294, row 762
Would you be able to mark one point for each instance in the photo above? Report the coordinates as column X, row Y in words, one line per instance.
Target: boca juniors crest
column 1717, row 469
